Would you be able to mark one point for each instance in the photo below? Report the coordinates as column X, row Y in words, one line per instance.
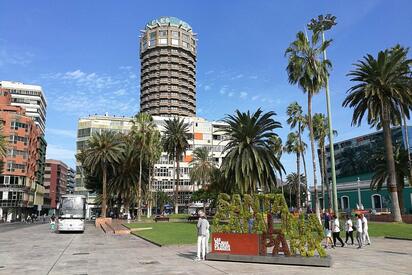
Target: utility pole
column 322, row 24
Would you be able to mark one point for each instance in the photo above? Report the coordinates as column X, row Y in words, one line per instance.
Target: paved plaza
column 35, row 250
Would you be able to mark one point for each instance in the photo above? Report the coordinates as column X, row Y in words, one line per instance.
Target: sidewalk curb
column 398, row 238
column 147, row 240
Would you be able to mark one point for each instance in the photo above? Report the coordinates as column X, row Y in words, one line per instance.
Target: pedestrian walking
column 202, row 235
column 336, row 231
column 365, row 233
column 328, row 231
column 53, row 223
column 349, row 230
column 359, row 230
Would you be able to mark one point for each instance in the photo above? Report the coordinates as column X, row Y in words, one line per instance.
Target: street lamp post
column 322, row 24
column 359, row 195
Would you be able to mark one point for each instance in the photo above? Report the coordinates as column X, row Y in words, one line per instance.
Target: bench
column 161, row 218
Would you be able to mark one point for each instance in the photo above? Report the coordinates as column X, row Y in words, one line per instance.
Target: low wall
column 389, row 218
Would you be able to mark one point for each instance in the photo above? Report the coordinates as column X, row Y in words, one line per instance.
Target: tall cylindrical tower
column 168, row 68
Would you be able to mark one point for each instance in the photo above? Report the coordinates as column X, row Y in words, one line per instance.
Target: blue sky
column 85, row 55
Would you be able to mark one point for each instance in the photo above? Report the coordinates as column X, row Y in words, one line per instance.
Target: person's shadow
column 189, row 255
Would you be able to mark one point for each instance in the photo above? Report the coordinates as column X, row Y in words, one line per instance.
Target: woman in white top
column 336, row 231
column 349, row 230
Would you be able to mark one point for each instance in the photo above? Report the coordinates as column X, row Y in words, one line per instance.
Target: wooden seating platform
column 161, row 219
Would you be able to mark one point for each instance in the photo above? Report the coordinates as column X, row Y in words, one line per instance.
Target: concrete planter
column 100, row 221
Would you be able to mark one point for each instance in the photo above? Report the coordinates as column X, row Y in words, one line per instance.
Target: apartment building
column 20, row 191
column 55, row 182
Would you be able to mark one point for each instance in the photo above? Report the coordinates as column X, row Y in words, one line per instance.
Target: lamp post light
column 359, row 195
column 322, row 24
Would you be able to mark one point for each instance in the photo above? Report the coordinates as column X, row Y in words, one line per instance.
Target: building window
column 163, row 33
column 175, row 42
column 344, row 202
column 162, row 41
column 175, row 34
column 185, row 45
column 376, row 201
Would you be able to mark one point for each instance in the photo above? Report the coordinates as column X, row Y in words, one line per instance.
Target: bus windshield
column 72, row 207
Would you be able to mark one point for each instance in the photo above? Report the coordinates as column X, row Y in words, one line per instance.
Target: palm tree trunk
column 304, row 164
column 149, row 197
column 104, row 199
column 177, row 184
column 390, row 164
column 281, row 181
column 322, row 172
column 325, row 178
column 139, row 190
column 127, row 206
column 312, row 147
column 298, row 206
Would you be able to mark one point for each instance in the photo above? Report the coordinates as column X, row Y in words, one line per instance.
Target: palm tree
column 278, row 149
column 175, row 143
column 309, row 72
column 3, row 148
column 381, row 174
column 296, row 146
column 297, row 118
column 296, row 183
column 104, row 151
column 143, row 126
column 321, row 131
column 381, row 89
column 250, row 162
column 154, row 152
column 201, row 166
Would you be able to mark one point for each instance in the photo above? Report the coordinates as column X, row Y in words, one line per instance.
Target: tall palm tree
column 294, row 145
column 143, row 126
column 298, row 119
column 250, row 162
column 154, row 153
column 381, row 89
column 278, row 149
column 309, row 72
column 175, row 143
column 321, row 131
column 104, row 151
column 381, row 174
column 201, row 166
column 296, row 183
column 3, row 148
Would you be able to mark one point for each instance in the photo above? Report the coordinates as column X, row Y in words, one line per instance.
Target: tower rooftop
column 168, row 21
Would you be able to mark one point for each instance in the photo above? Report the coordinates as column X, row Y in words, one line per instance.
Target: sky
column 85, row 55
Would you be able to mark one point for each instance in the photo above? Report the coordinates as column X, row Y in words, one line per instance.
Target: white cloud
column 209, row 72
column 120, row 92
column 61, row 132
column 238, row 76
column 223, row 90
column 255, row 97
column 243, row 95
column 230, row 94
column 207, row 87
column 14, row 58
column 253, row 77
column 57, row 152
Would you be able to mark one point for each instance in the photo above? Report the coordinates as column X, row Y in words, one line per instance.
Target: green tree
column 104, row 151
column 161, row 200
column 309, row 72
column 201, row 167
column 296, row 118
column 321, row 131
column 294, row 145
column 155, row 151
column 278, row 149
column 381, row 90
column 3, row 148
column 250, row 161
column 296, row 183
column 143, row 126
column 175, row 143
column 381, row 173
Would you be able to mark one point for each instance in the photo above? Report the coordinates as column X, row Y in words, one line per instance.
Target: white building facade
column 205, row 134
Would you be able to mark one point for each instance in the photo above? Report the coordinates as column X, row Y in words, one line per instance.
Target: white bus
column 71, row 213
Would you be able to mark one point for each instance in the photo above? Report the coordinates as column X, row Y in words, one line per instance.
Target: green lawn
column 167, row 233
column 399, row 230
